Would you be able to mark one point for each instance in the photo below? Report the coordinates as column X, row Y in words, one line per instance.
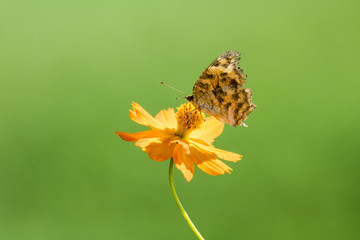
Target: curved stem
column 178, row 203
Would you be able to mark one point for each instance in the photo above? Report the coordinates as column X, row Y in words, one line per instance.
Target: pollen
column 188, row 119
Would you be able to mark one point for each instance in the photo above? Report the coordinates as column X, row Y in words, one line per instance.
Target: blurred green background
column 69, row 71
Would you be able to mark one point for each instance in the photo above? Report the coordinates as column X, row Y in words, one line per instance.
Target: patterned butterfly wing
column 219, row 90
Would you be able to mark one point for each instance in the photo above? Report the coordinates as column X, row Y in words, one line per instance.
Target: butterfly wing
column 219, row 90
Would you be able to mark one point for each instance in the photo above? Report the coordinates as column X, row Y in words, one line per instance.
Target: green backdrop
column 69, row 71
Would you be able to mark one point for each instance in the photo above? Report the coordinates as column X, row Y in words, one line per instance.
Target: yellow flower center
column 188, row 119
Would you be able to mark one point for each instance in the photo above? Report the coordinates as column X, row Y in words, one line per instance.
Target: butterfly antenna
column 172, row 88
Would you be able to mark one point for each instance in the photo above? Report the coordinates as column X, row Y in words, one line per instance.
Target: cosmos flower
column 185, row 136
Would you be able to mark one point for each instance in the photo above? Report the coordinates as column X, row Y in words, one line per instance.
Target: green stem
column 178, row 203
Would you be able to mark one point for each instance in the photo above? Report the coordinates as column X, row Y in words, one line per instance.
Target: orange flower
column 184, row 136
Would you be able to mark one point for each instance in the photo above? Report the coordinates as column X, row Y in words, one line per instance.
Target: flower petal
column 141, row 116
column 183, row 162
column 168, row 117
column 157, row 150
column 144, row 142
column 208, row 162
column 209, row 130
column 183, row 143
column 133, row 137
column 201, row 142
column 229, row 156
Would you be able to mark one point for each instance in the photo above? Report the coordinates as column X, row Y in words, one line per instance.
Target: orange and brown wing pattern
column 219, row 90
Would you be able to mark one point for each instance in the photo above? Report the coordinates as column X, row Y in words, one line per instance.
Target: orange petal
column 167, row 117
column 141, row 116
column 201, row 142
column 183, row 162
column 171, row 138
column 208, row 162
column 157, row 150
column 209, row 130
column 144, row 142
column 229, row 156
column 184, row 144
column 133, row 137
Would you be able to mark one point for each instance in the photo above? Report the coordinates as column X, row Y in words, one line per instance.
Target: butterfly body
column 219, row 91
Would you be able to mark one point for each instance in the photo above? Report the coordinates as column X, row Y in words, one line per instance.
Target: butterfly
column 219, row 91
